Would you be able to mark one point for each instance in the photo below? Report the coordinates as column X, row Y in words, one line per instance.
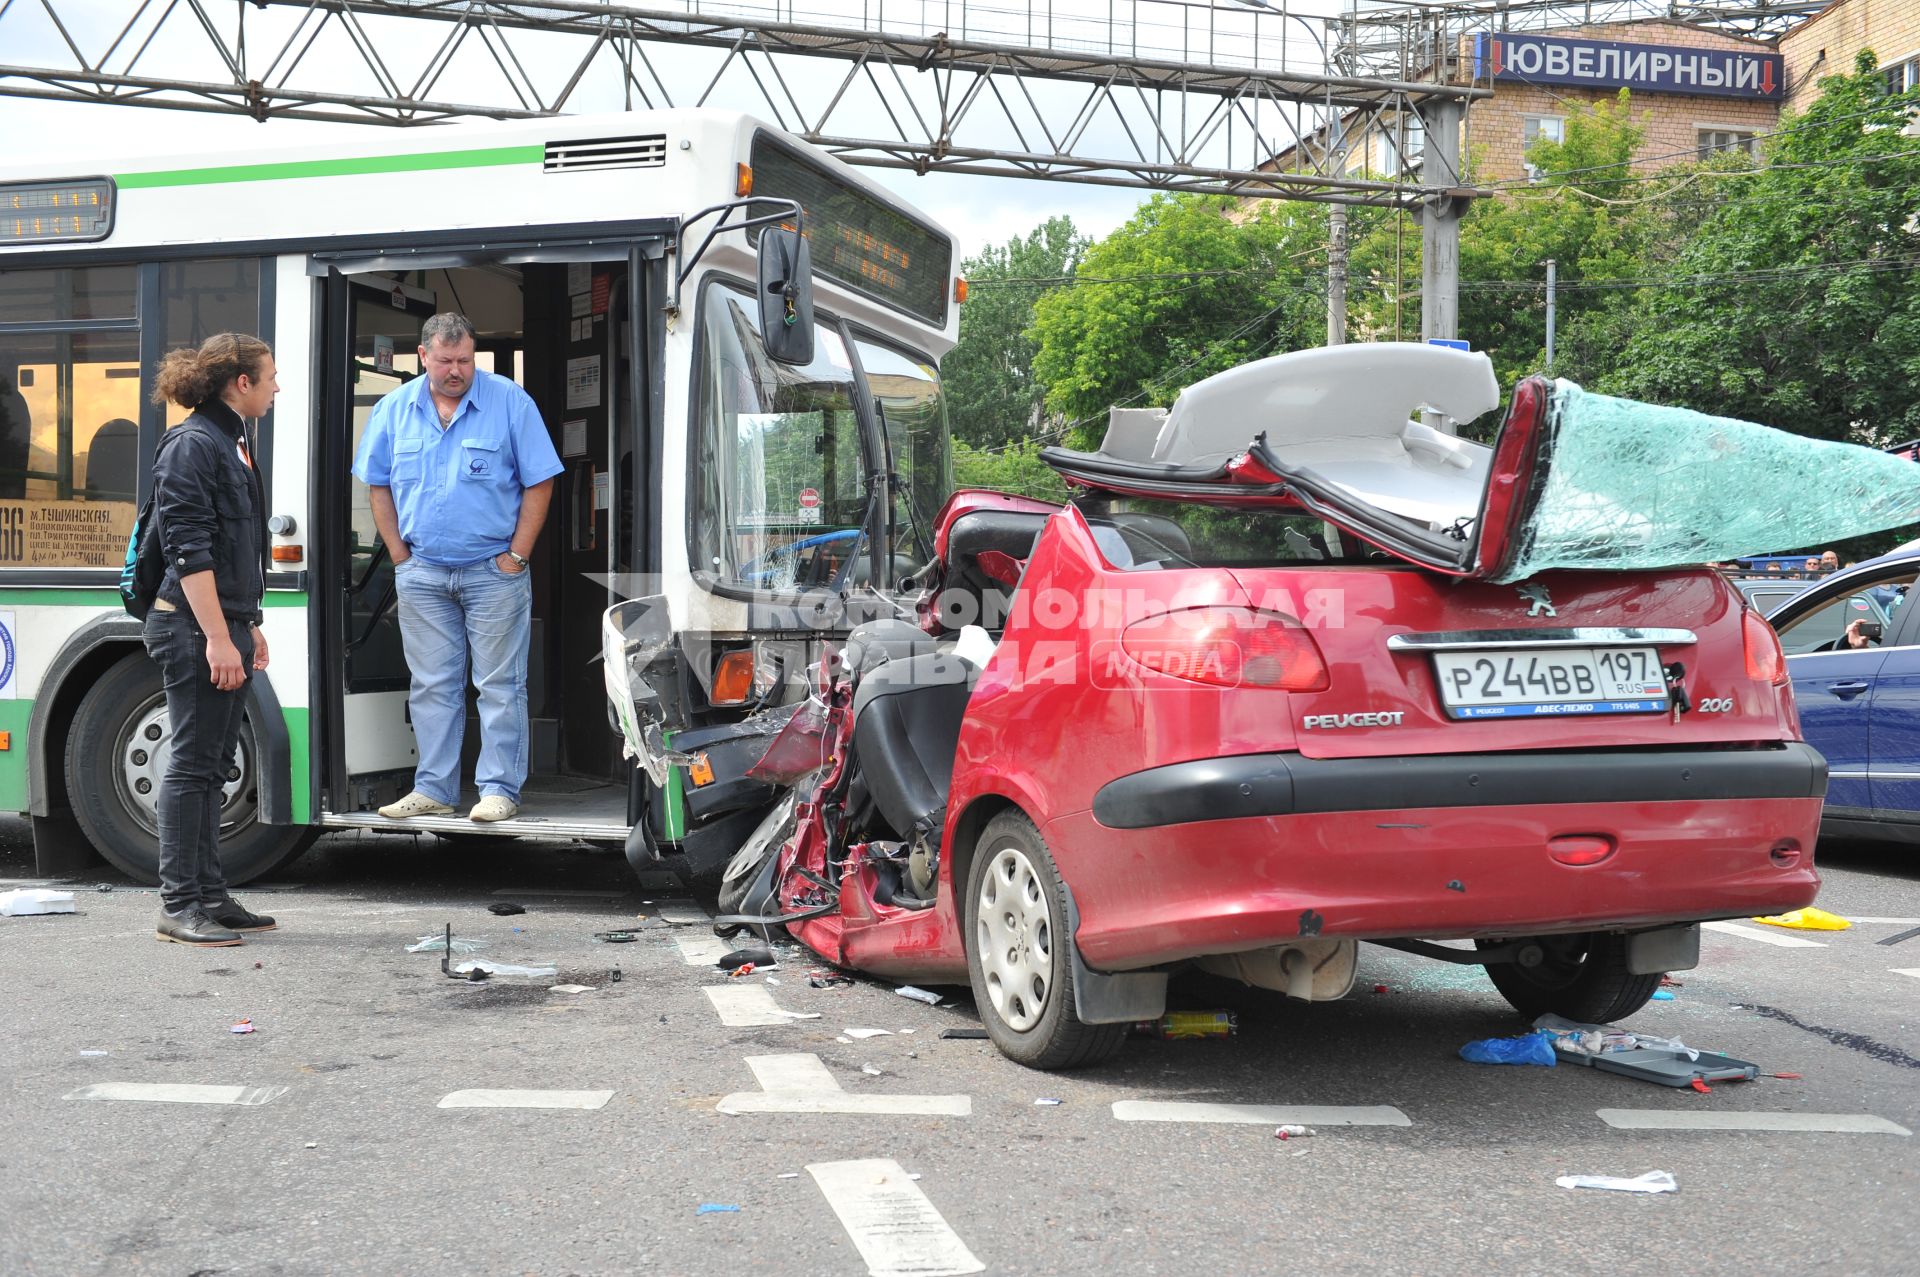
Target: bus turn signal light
column 743, row 180
column 289, row 553
column 959, row 289
column 733, row 679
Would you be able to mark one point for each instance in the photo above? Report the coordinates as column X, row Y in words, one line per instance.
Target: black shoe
column 194, row 927
column 232, row 915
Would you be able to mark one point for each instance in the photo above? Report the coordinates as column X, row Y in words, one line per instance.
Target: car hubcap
column 1014, row 936
column 144, row 746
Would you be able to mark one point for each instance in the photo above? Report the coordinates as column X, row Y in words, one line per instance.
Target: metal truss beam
column 919, row 99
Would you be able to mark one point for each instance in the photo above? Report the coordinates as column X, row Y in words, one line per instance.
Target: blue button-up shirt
column 457, row 490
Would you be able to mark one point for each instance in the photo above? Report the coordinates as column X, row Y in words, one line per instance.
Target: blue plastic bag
column 1528, row 1048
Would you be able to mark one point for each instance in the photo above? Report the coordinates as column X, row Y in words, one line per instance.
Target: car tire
column 762, row 845
column 1583, row 977
column 1018, row 952
column 111, row 750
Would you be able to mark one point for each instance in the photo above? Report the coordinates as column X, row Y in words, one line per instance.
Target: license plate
column 1551, row 682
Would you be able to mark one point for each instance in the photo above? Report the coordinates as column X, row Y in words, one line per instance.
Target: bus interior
column 561, row 330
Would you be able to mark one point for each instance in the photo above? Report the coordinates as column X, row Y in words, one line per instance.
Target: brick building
column 1826, row 43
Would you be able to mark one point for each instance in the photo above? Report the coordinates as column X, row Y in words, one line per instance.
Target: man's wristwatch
column 518, row 561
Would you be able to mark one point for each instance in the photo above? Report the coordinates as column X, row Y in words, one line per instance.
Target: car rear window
column 1136, row 534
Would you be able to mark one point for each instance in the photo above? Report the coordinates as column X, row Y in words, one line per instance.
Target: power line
column 1870, row 265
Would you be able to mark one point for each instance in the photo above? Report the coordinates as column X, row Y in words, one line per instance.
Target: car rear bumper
column 1290, row 784
column 1162, row 893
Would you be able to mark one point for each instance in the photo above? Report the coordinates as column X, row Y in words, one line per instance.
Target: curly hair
column 190, row 377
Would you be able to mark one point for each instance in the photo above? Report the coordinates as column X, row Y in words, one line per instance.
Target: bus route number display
column 56, row 212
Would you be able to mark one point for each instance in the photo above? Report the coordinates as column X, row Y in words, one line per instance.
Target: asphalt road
column 347, row 1163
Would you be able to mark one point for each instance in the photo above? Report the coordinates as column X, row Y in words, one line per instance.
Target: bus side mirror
column 786, row 296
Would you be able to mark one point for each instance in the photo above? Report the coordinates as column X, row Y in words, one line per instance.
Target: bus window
column 907, row 390
column 781, row 483
column 69, row 447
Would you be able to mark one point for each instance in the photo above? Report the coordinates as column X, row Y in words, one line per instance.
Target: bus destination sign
column 56, row 212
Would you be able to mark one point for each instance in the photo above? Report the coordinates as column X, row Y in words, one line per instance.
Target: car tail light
column 1228, row 647
column 733, row 679
column 1765, row 663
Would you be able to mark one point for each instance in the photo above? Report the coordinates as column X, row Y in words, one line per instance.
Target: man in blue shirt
column 460, row 471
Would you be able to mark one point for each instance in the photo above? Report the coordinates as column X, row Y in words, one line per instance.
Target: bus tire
column 116, row 752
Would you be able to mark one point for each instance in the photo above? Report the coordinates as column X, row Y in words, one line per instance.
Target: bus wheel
column 117, row 751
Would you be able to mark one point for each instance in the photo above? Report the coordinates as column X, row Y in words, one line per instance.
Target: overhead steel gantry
column 927, row 100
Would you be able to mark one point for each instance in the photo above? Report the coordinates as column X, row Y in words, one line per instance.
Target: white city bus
column 755, row 494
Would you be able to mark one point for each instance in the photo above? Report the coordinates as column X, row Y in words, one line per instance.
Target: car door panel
column 1833, row 693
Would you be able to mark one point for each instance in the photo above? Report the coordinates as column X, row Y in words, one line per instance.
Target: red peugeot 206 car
column 1268, row 687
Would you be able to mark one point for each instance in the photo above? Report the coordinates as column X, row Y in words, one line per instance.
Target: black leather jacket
column 209, row 506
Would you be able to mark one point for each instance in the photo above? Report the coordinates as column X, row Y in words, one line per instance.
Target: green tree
column 1796, row 302
column 992, row 396
column 1014, row 467
column 1189, row 286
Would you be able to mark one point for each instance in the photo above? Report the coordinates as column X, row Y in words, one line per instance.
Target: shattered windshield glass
column 1631, row 485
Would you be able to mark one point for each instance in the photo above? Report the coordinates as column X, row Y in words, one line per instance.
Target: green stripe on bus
column 14, row 717
column 346, row 166
column 673, row 821
column 299, row 763
column 83, row 597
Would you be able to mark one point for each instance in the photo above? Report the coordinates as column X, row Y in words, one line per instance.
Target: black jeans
column 205, row 724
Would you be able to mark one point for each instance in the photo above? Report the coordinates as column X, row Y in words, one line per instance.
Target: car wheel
column 1018, row 957
column 761, row 846
column 1582, row 977
column 117, row 751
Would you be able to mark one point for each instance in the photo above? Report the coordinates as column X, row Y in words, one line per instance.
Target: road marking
column 1698, row 1120
column 179, row 1093
column 1892, row 922
column 800, row 1083
column 1260, row 1114
column 1912, row 971
column 895, row 1227
column 745, row 1006
column 526, row 1100
column 683, row 915
column 1764, row 937
column 702, row 951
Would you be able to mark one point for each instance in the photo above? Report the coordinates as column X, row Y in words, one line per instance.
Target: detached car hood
column 1572, row 479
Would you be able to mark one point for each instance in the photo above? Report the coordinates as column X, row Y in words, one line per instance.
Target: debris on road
column 1651, row 1182
column 502, row 968
column 1668, row 1061
column 245, row 1026
column 96, row 1053
column 1528, row 1048
column 1808, row 919
column 28, row 901
column 1662, row 995
column 613, row 977
column 1904, row 935
column 1176, row 1025
column 829, row 980
column 918, row 995
column 1046, row 1102
column 969, row 1034
column 868, row 1033
column 870, row 1071
column 505, row 908
column 1292, row 1131
column 788, row 1175
column 570, row 988
column 752, row 956
column 717, row 1208
column 616, row 937
column 741, row 972
column 440, row 944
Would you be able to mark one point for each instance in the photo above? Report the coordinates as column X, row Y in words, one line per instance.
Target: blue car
column 1853, row 652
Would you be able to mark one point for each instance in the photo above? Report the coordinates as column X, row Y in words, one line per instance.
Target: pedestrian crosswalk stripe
column 1912, row 971
column 800, row 1083
column 179, row 1093
column 1764, row 937
column 1260, row 1114
column 745, row 1006
column 526, row 1100
column 896, row 1229
column 1703, row 1120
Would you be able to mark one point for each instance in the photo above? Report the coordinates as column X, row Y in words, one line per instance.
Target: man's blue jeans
column 445, row 615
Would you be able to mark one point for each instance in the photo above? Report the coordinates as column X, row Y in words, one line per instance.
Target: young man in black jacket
column 204, row 629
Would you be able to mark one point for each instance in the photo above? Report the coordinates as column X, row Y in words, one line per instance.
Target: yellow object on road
column 1808, row 920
